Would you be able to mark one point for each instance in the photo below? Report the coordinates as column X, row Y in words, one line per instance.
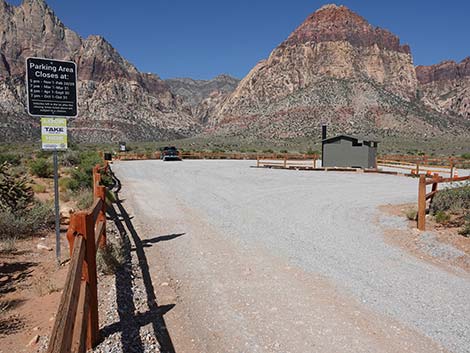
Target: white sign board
column 54, row 133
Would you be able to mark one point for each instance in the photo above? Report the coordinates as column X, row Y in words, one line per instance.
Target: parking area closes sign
column 54, row 133
column 51, row 87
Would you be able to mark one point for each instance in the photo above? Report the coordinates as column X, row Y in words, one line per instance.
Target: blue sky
column 203, row 38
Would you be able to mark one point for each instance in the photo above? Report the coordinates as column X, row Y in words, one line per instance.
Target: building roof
column 350, row 137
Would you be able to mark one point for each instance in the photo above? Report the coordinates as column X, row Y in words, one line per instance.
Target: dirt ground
column 30, row 290
column 411, row 239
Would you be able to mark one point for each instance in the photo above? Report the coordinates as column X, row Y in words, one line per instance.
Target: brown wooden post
column 101, row 193
column 86, row 227
column 71, row 232
column 422, row 203
column 257, row 160
column 285, row 161
column 451, row 167
column 315, row 161
column 417, row 167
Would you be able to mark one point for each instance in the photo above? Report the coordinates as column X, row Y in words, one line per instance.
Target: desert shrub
column 84, row 198
column 82, row 176
column 311, row 151
column 110, row 258
column 465, row 231
column 42, row 168
column 10, row 158
column 466, row 156
column 27, row 222
column 70, row 158
column 284, row 151
column 411, row 214
column 64, row 183
column 7, row 246
column 452, row 199
column 442, row 217
column 39, row 188
column 15, row 192
column 268, row 151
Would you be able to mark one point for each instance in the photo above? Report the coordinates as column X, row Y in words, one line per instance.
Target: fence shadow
column 130, row 322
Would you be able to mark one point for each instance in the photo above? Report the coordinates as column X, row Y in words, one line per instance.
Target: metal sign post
column 56, row 207
column 51, row 88
column 54, row 138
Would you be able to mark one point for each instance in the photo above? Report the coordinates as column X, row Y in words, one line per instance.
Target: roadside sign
column 51, row 87
column 54, row 134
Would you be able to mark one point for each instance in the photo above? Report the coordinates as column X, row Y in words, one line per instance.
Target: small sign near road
column 51, row 87
column 54, row 134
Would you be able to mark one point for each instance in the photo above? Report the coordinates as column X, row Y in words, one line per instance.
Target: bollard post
column 422, row 203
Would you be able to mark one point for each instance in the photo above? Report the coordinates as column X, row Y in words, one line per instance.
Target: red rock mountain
column 445, row 87
column 334, row 68
column 116, row 101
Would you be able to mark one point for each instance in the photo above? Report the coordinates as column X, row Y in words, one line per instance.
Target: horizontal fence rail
column 76, row 328
column 424, row 196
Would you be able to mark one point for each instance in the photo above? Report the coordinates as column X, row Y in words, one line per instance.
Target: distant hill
column 116, row 101
column 334, row 68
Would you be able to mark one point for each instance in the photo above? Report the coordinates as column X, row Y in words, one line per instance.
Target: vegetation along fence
column 423, row 196
column 76, row 326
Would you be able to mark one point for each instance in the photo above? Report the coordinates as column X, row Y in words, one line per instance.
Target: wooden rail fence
column 424, row 164
column 76, row 327
column 423, row 196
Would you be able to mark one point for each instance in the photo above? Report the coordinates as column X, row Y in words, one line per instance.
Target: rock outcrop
column 334, row 67
column 195, row 91
column 445, row 87
column 116, row 101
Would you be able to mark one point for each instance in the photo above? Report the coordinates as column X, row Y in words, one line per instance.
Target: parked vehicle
column 170, row 153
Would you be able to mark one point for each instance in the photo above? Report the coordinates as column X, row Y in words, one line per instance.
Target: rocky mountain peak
column 333, row 23
column 444, row 71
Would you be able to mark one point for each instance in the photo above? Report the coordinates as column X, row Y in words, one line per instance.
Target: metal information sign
column 54, row 134
column 51, row 87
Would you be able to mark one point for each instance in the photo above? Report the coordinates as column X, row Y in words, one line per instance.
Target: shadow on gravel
column 146, row 243
column 130, row 321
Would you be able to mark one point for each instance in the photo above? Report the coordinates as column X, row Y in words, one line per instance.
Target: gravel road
column 262, row 260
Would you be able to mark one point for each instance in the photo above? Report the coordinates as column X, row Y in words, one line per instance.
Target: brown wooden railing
column 76, row 327
column 423, row 196
column 287, row 161
column 424, row 164
column 215, row 155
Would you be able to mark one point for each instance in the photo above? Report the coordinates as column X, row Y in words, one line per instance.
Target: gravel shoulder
column 259, row 260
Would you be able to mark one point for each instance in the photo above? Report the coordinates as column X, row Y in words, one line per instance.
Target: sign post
column 51, row 87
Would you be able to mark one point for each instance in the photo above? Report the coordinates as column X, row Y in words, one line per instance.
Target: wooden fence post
column 86, row 226
column 257, row 160
column 285, row 161
column 422, row 203
column 451, row 167
column 101, row 193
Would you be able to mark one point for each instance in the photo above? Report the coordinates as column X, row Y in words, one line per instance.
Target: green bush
column 452, row 199
column 82, row 176
column 70, row 158
column 10, row 158
column 465, row 231
column 466, row 156
column 15, row 192
column 411, row 214
column 84, row 198
column 442, row 217
column 42, row 168
column 110, row 258
column 27, row 222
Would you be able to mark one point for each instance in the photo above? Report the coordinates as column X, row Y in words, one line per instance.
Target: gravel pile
column 123, row 305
